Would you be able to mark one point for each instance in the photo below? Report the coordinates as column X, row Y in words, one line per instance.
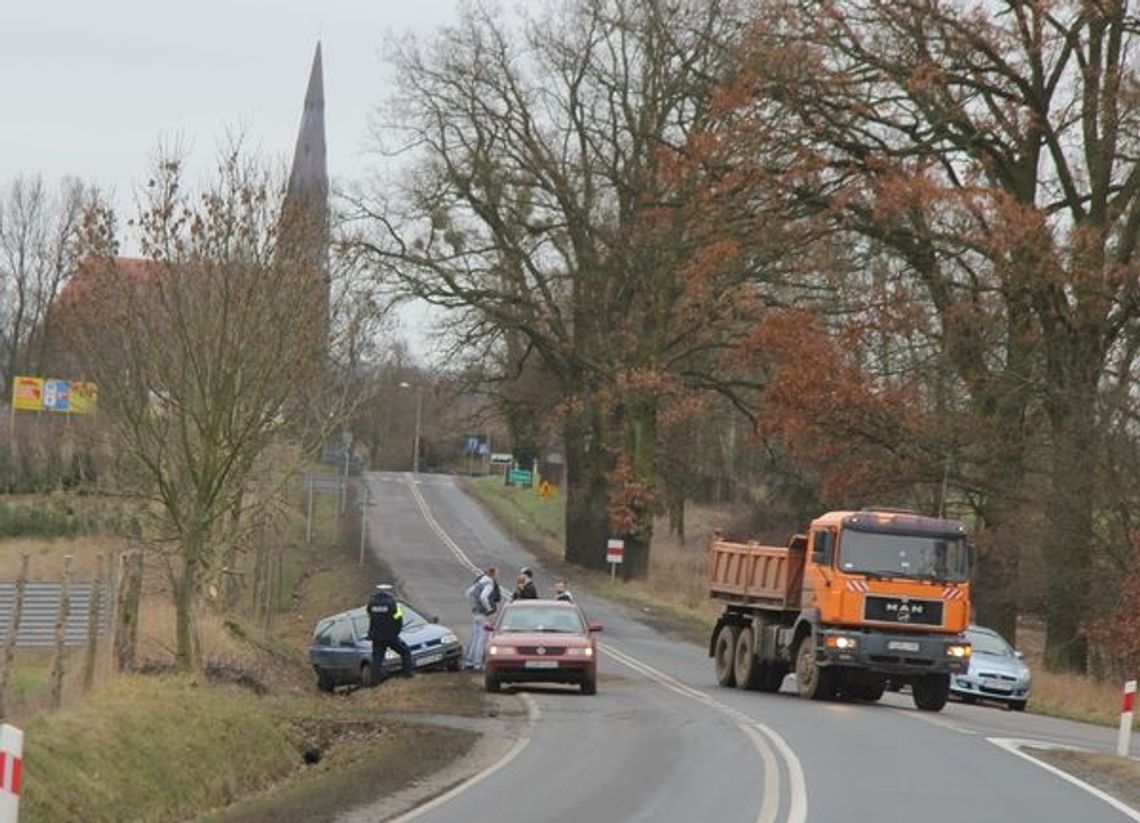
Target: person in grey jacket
column 484, row 596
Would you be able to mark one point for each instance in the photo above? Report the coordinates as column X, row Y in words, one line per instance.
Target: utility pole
column 416, row 441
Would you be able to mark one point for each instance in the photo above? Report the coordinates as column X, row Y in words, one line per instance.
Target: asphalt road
column 662, row 742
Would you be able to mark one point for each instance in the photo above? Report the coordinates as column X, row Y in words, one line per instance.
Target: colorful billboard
column 28, row 393
column 84, row 397
column 38, row 394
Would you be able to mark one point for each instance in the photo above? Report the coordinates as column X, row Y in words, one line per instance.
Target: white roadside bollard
column 1124, row 740
column 11, row 772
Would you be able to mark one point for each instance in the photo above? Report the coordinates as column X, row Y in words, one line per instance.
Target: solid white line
column 532, row 715
column 460, row 555
column 797, row 808
column 1014, row 745
column 770, row 807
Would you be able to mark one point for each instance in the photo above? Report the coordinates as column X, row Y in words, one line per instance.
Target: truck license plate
column 541, row 664
column 903, row 645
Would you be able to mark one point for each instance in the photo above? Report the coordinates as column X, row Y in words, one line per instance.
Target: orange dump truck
column 864, row 600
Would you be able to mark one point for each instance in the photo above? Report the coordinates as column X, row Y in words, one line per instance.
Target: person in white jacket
column 484, row 597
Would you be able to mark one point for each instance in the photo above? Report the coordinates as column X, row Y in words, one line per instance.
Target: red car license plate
column 541, row 664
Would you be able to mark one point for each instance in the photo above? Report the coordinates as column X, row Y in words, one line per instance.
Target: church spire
column 309, row 177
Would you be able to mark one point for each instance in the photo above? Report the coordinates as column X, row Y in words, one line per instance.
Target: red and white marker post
column 11, row 772
column 615, row 553
column 1124, row 740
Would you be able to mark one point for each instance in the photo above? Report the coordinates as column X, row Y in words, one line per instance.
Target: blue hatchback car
column 341, row 652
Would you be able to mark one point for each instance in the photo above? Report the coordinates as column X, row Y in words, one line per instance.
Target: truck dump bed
column 756, row 575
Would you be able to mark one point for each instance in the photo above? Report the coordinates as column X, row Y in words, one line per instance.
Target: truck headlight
column 958, row 650
column 841, row 642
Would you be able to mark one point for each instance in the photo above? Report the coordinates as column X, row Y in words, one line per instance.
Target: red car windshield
column 542, row 619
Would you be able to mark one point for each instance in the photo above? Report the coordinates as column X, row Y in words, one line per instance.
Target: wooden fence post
column 127, row 611
column 13, row 630
column 61, row 635
column 94, row 610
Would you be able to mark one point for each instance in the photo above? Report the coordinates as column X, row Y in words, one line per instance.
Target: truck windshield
column 922, row 557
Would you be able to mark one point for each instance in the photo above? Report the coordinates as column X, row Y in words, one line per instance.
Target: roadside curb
column 502, row 738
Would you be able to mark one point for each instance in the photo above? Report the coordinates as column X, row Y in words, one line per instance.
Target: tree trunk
column 1069, row 517
column 996, row 576
column 642, row 423
column 127, row 612
column 185, row 594
column 587, row 494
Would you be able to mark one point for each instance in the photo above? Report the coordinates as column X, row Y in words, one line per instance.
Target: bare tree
column 541, row 210
column 210, row 352
column 39, row 233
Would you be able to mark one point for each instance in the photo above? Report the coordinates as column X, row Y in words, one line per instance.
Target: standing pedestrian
column 484, row 596
column 561, row 592
column 385, row 620
column 524, row 586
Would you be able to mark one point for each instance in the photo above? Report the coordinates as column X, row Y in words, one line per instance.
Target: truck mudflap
column 892, row 653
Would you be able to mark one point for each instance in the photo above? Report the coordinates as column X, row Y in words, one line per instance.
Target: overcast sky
column 91, row 87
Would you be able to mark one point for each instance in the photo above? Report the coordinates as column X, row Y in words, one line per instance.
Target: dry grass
column 47, row 555
column 1075, row 697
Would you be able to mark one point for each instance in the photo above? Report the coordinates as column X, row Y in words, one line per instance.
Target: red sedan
column 542, row 641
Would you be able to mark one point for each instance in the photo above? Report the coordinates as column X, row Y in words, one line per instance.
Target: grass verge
column 164, row 748
column 168, row 747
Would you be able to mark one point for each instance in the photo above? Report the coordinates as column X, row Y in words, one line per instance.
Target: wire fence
column 42, row 600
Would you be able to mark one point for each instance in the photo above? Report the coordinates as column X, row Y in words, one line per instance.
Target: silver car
column 997, row 671
column 341, row 652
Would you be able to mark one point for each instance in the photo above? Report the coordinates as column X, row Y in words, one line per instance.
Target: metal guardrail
column 41, row 607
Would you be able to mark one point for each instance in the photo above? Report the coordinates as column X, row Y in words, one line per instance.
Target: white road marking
column 460, row 555
column 1014, row 746
column 532, row 715
column 762, row 736
column 797, row 810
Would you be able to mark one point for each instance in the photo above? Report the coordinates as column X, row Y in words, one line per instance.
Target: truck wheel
column 745, row 666
column 724, row 653
column 814, row 682
column 931, row 692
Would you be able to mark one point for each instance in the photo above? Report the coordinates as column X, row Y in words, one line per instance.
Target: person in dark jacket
column 385, row 620
column 524, row 586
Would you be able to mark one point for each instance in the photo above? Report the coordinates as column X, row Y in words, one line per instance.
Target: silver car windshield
column 922, row 557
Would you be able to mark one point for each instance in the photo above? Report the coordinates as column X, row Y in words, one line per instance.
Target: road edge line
column 1014, row 746
column 533, row 714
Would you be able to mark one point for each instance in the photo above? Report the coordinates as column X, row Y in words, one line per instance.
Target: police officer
column 385, row 620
